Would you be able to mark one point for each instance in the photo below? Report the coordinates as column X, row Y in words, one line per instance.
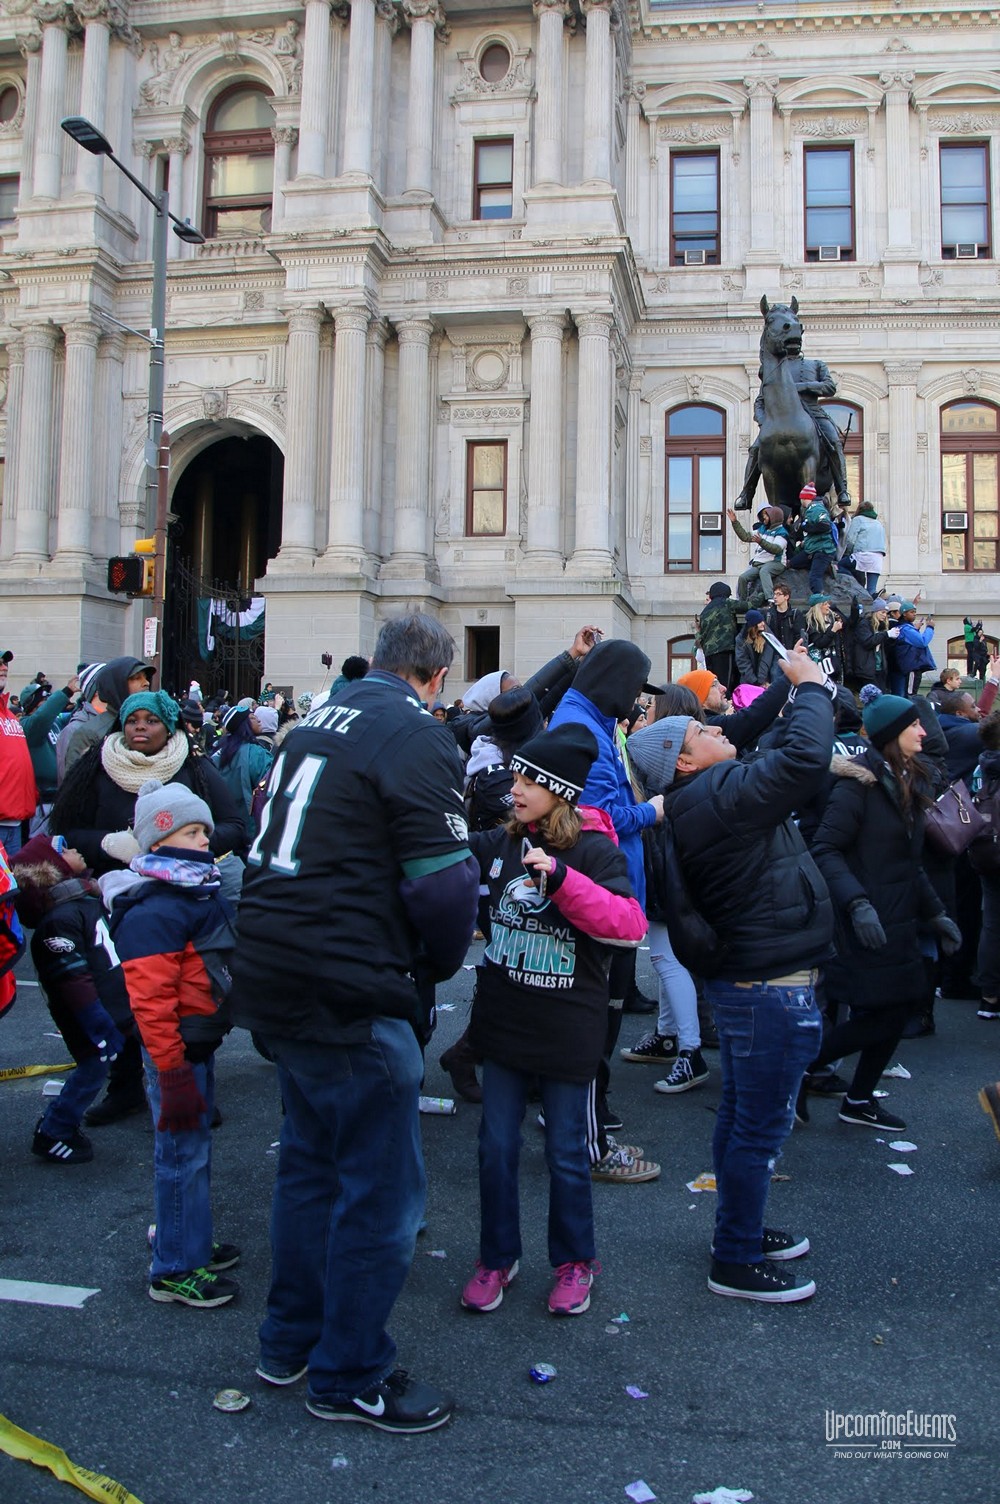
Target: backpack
column 693, row 940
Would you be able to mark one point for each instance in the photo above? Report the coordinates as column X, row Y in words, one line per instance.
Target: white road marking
column 28, row 1293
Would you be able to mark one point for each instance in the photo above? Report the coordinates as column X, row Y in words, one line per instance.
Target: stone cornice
column 677, row 21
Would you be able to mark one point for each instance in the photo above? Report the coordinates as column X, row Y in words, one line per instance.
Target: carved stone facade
column 381, row 325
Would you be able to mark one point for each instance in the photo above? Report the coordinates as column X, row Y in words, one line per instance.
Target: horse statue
column 798, row 441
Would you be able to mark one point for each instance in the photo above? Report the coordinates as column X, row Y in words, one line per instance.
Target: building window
column 848, row 420
column 829, row 200
column 9, row 187
column 10, row 103
column 486, row 490
column 494, row 191
column 494, row 64
column 681, row 657
column 695, row 450
column 970, row 499
column 482, row 652
column 239, row 165
column 694, row 208
column 965, row 201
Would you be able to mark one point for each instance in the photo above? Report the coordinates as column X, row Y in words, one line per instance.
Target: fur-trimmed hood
column 852, row 767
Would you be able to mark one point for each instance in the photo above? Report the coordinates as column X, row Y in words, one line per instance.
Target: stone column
column 378, row 334
column 178, row 147
column 424, row 16
column 285, row 138
column 345, row 545
column 30, row 46
column 315, row 90
column 34, row 477
column 386, row 25
column 903, row 521
column 360, row 89
column 897, row 88
column 15, row 406
column 109, row 420
column 76, row 455
column 47, row 176
column 592, row 551
column 409, row 541
column 94, row 87
column 597, row 91
column 298, row 514
column 549, row 91
column 761, row 92
column 543, row 545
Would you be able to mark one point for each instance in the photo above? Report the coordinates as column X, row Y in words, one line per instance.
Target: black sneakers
column 689, row 1070
column 825, row 1084
column 74, row 1149
column 399, row 1403
column 870, row 1114
column 652, row 1049
column 767, row 1281
column 783, row 1245
column 197, row 1288
column 115, row 1106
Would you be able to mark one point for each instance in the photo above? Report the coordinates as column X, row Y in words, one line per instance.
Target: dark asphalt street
column 905, row 1318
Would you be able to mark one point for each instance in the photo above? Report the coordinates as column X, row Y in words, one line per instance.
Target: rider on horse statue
column 812, row 380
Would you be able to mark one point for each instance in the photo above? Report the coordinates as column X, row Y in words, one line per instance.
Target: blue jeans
column 182, row 1168
column 347, row 1204
column 571, row 1209
column 10, row 838
column 678, row 994
column 65, row 1112
column 818, row 566
column 767, row 1037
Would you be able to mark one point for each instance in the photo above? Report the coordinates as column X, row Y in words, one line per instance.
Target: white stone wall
column 379, row 328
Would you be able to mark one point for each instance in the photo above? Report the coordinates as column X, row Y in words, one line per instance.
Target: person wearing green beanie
column 157, row 702
column 886, row 717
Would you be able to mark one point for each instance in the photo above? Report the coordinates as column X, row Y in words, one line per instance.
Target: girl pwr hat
column 558, row 760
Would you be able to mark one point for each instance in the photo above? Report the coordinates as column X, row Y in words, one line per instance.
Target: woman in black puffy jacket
column 868, row 847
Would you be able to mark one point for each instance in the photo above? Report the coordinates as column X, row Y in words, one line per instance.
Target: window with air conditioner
column 829, row 203
column 970, row 487
column 965, row 200
column 694, row 208
column 694, row 482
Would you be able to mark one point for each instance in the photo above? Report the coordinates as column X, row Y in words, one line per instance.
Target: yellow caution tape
column 28, row 1448
column 18, row 1072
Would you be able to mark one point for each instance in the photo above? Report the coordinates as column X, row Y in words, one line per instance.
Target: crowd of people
column 762, row 820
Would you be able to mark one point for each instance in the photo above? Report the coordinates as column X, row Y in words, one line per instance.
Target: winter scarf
column 182, row 872
column 130, row 770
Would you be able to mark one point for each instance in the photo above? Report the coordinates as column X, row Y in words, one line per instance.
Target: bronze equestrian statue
column 798, row 440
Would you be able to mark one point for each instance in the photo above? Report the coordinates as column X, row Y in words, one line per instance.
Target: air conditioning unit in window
column 956, row 522
column 695, row 258
column 829, row 253
column 710, row 522
column 966, row 252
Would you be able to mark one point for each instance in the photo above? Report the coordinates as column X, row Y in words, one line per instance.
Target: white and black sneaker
column 399, row 1403
column 870, row 1114
column 689, row 1070
column 766, row 1281
column 652, row 1049
column 783, row 1245
column 74, row 1148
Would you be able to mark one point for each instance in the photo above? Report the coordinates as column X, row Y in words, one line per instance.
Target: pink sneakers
column 571, row 1292
column 484, row 1292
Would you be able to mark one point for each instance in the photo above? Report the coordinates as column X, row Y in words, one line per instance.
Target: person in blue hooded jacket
column 607, row 683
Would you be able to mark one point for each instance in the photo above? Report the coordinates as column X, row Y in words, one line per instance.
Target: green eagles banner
column 218, row 620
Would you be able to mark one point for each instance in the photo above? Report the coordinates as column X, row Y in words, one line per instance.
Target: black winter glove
column 101, row 1031
column 948, row 934
column 866, row 925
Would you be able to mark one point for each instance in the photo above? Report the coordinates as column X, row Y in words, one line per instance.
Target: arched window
column 848, row 419
column 970, row 498
column 681, row 657
column 695, row 451
column 239, row 164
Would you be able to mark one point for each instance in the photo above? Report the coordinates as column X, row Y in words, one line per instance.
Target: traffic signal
column 135, row 573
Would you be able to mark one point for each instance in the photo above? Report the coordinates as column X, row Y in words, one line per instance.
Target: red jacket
column 18, row 794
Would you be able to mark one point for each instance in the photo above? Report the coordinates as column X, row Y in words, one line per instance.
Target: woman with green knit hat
column 868, row 847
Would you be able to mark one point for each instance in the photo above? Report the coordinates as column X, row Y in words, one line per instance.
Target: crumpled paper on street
column 724, row 1496
column 901, row 1169
column 702, row 1182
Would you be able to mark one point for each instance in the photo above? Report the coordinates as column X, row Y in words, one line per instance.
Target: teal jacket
column 41, row 733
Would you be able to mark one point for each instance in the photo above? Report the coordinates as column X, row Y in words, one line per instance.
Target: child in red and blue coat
column 173, row 932
column 559, row 897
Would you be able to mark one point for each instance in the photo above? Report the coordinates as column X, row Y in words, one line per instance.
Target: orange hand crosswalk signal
column 133, row 574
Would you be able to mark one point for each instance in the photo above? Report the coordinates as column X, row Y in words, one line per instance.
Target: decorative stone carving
column 694, row 385
column 30, row 42
column 481, row 414
column 897, row 80
column 428, row 10
column 966, row 124
column 177, row 145
column 923, row 535
column 922, row 442
column 896, row 44
column 437, row 289
column 488, row 371
column 287, row 49
column 388, row 14
column 514, row 82
column 972, row 381
column 166, row 63
column 696, row 132
column 762, row 50
column 442, row 524
column 882, row 443
column 828, row 125
column 645, row 443
column 253, row 300
column 517, row 286
column 213, row 403
column 53, row 13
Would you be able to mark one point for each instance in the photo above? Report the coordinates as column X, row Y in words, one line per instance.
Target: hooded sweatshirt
column 87, row 726
column 606, row 686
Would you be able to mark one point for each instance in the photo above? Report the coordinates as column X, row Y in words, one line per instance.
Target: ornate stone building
column 475, row 323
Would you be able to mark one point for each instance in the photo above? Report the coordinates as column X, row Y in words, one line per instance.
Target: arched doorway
column 225, row 524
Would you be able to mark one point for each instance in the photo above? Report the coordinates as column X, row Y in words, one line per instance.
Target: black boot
column 125, row 1094
column 460, row 1063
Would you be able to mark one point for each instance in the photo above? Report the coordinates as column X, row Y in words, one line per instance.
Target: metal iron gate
column 236, row 662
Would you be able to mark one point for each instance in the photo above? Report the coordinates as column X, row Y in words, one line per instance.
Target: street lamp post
column 91, row 139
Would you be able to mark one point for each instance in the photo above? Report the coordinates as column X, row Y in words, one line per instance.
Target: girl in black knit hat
column 559, row 896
